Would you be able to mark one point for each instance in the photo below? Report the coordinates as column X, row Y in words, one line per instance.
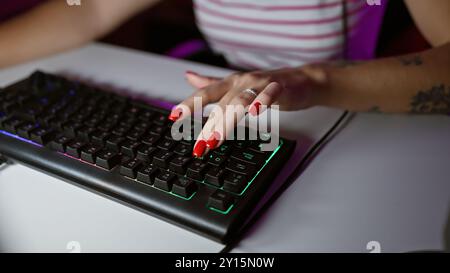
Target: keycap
column 85, row 133
column 248, row 156
column 135, row 135
column 216, row 159
column 130, row 167
column 99, row 138
column 89, row 153
column 25, row 129
column 129, row 147
column 215, row 176
column 150, row 139
column 147, row 174
column 220, row 200
column 164, row 180
column 145, row 152
column 166, row 144
column 223, row 149
column 60, row 143
column 241, row 167
column 159, row 119
column 196, row 170
column 183, row 149
column 178, row 164
column 120, row 130
column 113, row 143
column 162, row 158
column 74, row 148
column 234, row 182
column 184, row 187
column 11, row 124
column 107, row 159
column 42, row 135
column 157, row 130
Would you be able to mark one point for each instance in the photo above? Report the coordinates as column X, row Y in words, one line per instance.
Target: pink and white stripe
column 265, row 34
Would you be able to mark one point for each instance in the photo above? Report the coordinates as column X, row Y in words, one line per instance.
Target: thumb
column 200, row 81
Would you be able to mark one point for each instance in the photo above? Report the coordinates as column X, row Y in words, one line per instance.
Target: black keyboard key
column 215, row 176
column 85, row 133
column 42, row 135
column 162, row 158
column 164, row 181
column 89, row 153
column 241, row 167
column 184, row 187
column 59, row 144
column 223, row 149
column 216, row 159
column 150, row 139
column 99, row 138
column 183, row 149
column 107, row 159
column 135, row 135
column 157, row 130
column 178, row 164
column 71, row 128
column 130, row 167
column 197, row 170
column 113, row 143
column 11, row 124
column 249, row 156
column 166, row 144
column 234, row 182
column 121, row 130
column 145, row 153
column 129, row 148
column 74, row 148
column 159, row 119
column 220, row 200
column 147, row 174
column 25, row 129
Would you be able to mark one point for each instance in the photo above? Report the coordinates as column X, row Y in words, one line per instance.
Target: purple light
column 20, row 138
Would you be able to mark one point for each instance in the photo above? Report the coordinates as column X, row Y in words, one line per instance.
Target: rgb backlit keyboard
column 122, row 148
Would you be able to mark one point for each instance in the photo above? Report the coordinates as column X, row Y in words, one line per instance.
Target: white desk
column 383, row 178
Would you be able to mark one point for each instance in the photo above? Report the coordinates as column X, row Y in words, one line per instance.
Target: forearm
column 418, row 83
column 49, row 28
column 54, row 26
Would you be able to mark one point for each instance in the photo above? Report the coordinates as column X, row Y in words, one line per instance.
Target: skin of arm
column 55, row 26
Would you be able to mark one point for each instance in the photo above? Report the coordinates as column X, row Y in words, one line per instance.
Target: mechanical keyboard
column 122, row 148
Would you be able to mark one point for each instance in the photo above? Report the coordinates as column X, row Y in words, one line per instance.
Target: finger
column 211, row 128
column 209, row 94
column 199, row 81
column 265, row 99
column 231, row 113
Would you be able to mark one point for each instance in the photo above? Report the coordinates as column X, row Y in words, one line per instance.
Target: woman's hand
column 290, row 88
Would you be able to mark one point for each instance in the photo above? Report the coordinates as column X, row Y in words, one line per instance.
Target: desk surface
column 382, row 178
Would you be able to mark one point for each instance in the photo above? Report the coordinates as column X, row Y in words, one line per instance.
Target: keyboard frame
column 193, row 215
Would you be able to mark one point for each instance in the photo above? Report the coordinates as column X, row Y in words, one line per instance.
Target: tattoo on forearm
column 433, row 101
column 411, row 60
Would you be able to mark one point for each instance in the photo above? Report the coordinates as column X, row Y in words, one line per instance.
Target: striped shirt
column 266, row 34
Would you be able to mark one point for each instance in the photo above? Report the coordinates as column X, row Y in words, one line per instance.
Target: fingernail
column 199, row 149
column 254, row 109
column 175, row 114
column 191, row 72
column 213, row 140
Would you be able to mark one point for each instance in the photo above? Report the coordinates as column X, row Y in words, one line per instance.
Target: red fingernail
column 213, row 140
column 254, row 109
column 191, row 72
column 175, row 114
column 199, row 149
